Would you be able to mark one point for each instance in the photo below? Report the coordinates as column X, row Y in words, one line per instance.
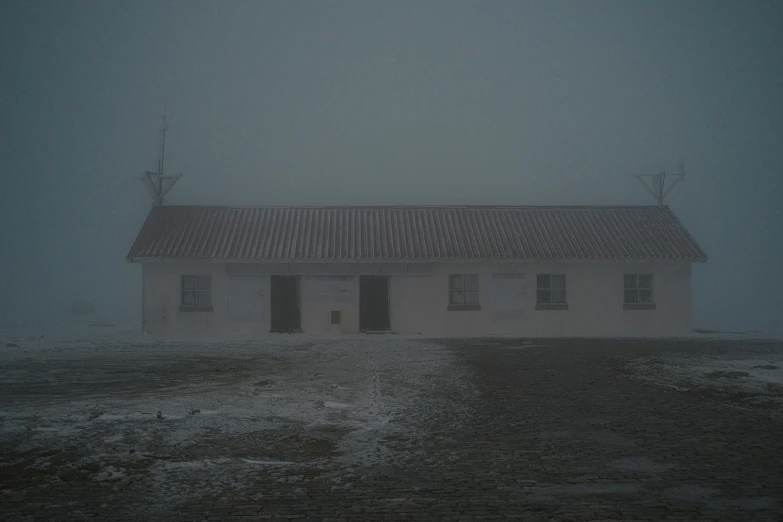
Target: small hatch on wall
column 335, row 318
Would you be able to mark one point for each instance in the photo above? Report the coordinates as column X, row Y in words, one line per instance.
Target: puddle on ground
column 526, row 347
column 610, row 438
column 725, row 374
column 607, row 437
column 691, row 493
column 585, row 489
column 751, row 503
column 556, row 434
column 642, row 465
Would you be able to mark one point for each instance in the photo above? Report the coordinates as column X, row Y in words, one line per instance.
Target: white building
column 590, row 271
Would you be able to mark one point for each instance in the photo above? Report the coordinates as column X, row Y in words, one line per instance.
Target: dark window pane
column 630, row 297
column 544, row 296
column 189, row 298
column 629, row 281
column 205, row 282
column 471, row 282
column 558, row 282
column 543, row 281
column 204, row 298
column 456, row 282
column 456, row 297
column 558, row 296
column 189, row 282
column 471, row 297
column 645, row 296
column 645, row 281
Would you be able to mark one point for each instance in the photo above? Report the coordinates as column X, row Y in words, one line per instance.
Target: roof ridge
column 231, row 207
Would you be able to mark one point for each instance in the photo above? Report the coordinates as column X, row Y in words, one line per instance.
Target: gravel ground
column 390, row 427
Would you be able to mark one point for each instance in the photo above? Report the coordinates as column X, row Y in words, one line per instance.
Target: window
column 638, row 292
column 551, row 292
column 196, row 293
column 463, row 292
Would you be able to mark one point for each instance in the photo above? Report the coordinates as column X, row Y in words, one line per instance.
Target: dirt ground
column 390, row 427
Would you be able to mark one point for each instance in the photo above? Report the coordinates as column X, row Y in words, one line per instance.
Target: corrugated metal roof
column 408, row 232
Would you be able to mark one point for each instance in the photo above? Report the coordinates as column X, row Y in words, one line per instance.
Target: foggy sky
column 350, row 102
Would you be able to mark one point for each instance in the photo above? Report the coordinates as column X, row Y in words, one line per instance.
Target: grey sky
column 387, row 103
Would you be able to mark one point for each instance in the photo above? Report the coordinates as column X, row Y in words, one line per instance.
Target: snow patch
column 337, row 405
column 110, row 473
column 192, row 464
column 267, row 462
column 751, row 376
column 257, row 397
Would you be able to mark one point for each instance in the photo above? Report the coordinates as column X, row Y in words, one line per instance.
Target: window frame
column 202, row 293
column 464, row 304
column 636, row 303
column 551, row 304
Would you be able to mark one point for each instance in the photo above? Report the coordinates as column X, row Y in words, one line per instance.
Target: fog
column 531, row 103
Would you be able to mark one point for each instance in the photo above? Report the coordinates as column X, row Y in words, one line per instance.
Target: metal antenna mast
column 657, row 184
column 158, row 184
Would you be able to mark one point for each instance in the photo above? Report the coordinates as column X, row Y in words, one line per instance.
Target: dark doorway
column 285, row 304
column 374, row 303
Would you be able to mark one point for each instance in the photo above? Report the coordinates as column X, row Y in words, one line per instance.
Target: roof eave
column 145, row 259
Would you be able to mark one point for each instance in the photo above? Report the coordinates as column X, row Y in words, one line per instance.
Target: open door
column 285, row 304
column 374, row 303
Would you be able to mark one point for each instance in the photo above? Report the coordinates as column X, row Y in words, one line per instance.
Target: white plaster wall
column 316, row 305
column 419, row 302
column 594, row 295
column 161, row 298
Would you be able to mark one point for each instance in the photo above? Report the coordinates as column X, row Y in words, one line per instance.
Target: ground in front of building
column 389, row 427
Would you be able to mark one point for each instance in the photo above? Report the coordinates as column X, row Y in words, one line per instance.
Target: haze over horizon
column 512, row 103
